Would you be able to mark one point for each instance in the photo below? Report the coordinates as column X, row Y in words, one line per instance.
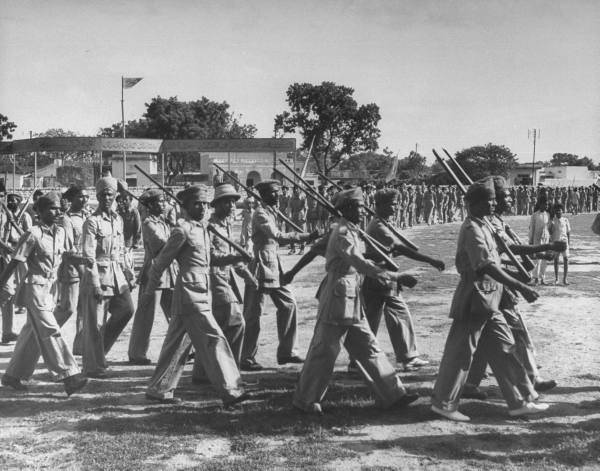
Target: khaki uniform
column 380, row 299
column 11, row 237
column 106, row 268
column 226, row 294
column 297, row 207
column 340, row 320
column 192, row 322
column 510, row 310
column 266, row 268
column 155, row 233
column 478, row 321
column 69, row 278
column 41, row 249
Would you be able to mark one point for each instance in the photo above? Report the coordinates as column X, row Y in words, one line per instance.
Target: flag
column 392, row 173
column 129, row 82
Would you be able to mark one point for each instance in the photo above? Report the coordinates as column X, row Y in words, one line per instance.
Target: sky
column 444, row 72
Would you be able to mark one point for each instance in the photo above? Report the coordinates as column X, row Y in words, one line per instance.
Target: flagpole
column 123, row 125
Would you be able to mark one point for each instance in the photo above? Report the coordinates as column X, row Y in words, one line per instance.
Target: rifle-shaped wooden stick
column 377, row 246
column 22, row 210
column 395, row 231
column 209, row 227
column 525, row 259
column 499, row 240
column 256, row 196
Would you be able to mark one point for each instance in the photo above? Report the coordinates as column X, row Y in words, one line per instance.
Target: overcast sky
column 444, row 73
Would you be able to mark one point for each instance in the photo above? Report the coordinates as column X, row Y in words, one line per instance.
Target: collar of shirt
column 106, row 215
column 50, row 230
column 215, row 221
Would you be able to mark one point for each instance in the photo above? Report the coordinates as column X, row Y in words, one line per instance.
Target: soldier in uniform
column 70, row 274
column 108, row 281
column 266, row 268
column 297, row 207
column 284, row 205
column 340, row 319
column 37, row 257
column 155, row 233
column 11, row 236
column 226, row 295
column 477, row 319
column 381, row 299
column 192, row 322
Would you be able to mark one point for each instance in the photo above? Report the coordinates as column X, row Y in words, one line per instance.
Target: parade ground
column 110, row 424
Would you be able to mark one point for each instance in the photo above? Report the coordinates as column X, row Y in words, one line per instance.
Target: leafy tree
column 169, row 118
column 6, row 127
column 371, row 161
column 491, row 159
column 330, row 115
column 560, row 158
column 412, row 167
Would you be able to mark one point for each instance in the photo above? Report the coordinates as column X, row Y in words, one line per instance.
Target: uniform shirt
column 223, row 284
column 189, row 245
column 476, row 294
column 104, row 252
column 73, row 225
column 9, row 233
column 42, row 248
column 266, row 236
column 380, row 232
column 297, row 207
column 155, row 233
column 339, row 300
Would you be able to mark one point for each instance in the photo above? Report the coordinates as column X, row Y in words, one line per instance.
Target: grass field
column 110, row 425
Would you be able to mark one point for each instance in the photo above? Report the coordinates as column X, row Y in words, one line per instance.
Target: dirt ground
column 110, row 425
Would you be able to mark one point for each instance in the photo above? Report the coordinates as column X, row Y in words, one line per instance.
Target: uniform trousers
column 100, row 333
column 254, row 301
column 494, row 336
column 41, row 333
column 143, row 320
column 362, row 346
column 397, row 319
column 8, row 314
column 230, row 320
column 523, row 349
column 68, row 304
column 198, row 327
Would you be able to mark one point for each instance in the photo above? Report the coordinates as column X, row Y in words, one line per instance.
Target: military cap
column 268, row 185
column 106, row 183
column 71, row 192
column 385, row 196
column 480, row 190
column 345, row 196
column 48, row 199
column 224, row 190
column 15, row 196
column 150, row 195
column 193, row 191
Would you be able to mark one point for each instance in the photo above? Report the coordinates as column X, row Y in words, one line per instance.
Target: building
column 567, row 175
column 147, row 162
column 524, row 174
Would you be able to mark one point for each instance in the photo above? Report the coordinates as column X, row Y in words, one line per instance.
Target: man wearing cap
column 11, row 236
column 297, row 207
column 477, row 319
column 192, row 322
column 509, row 304
column 37, row 257
column 340, row 318
column 70, row 272
column 155, row 233
column 382, row 299
column 108, row 281
column 226, row 295
column 266, row 268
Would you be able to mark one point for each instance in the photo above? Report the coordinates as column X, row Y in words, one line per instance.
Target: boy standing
column 560, row 230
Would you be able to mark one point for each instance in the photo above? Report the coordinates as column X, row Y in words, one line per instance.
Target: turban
column 345, row 196
column 498, row 181
column 385, row 196
column 268, row 185
column 223, row 191
column 193, row 191
column 49, row 199
column 106, row 183
column 481, row 190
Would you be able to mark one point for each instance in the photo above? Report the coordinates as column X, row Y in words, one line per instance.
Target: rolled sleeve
column 24, row 247
column 478, row 249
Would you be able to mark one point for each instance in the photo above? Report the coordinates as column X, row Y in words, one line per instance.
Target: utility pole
column 536, row 135
column 34, row 163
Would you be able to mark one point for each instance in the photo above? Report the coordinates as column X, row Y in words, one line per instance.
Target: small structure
column 524, row 174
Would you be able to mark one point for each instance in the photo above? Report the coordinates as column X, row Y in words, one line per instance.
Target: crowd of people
column 61, row 259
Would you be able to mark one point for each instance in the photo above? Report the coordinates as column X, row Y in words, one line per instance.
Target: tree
column 330, row 115
column 6, row 127
column 491, row 159
column 413, row 167
column 561, row 158
column 369, row 161
column 169, row 118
